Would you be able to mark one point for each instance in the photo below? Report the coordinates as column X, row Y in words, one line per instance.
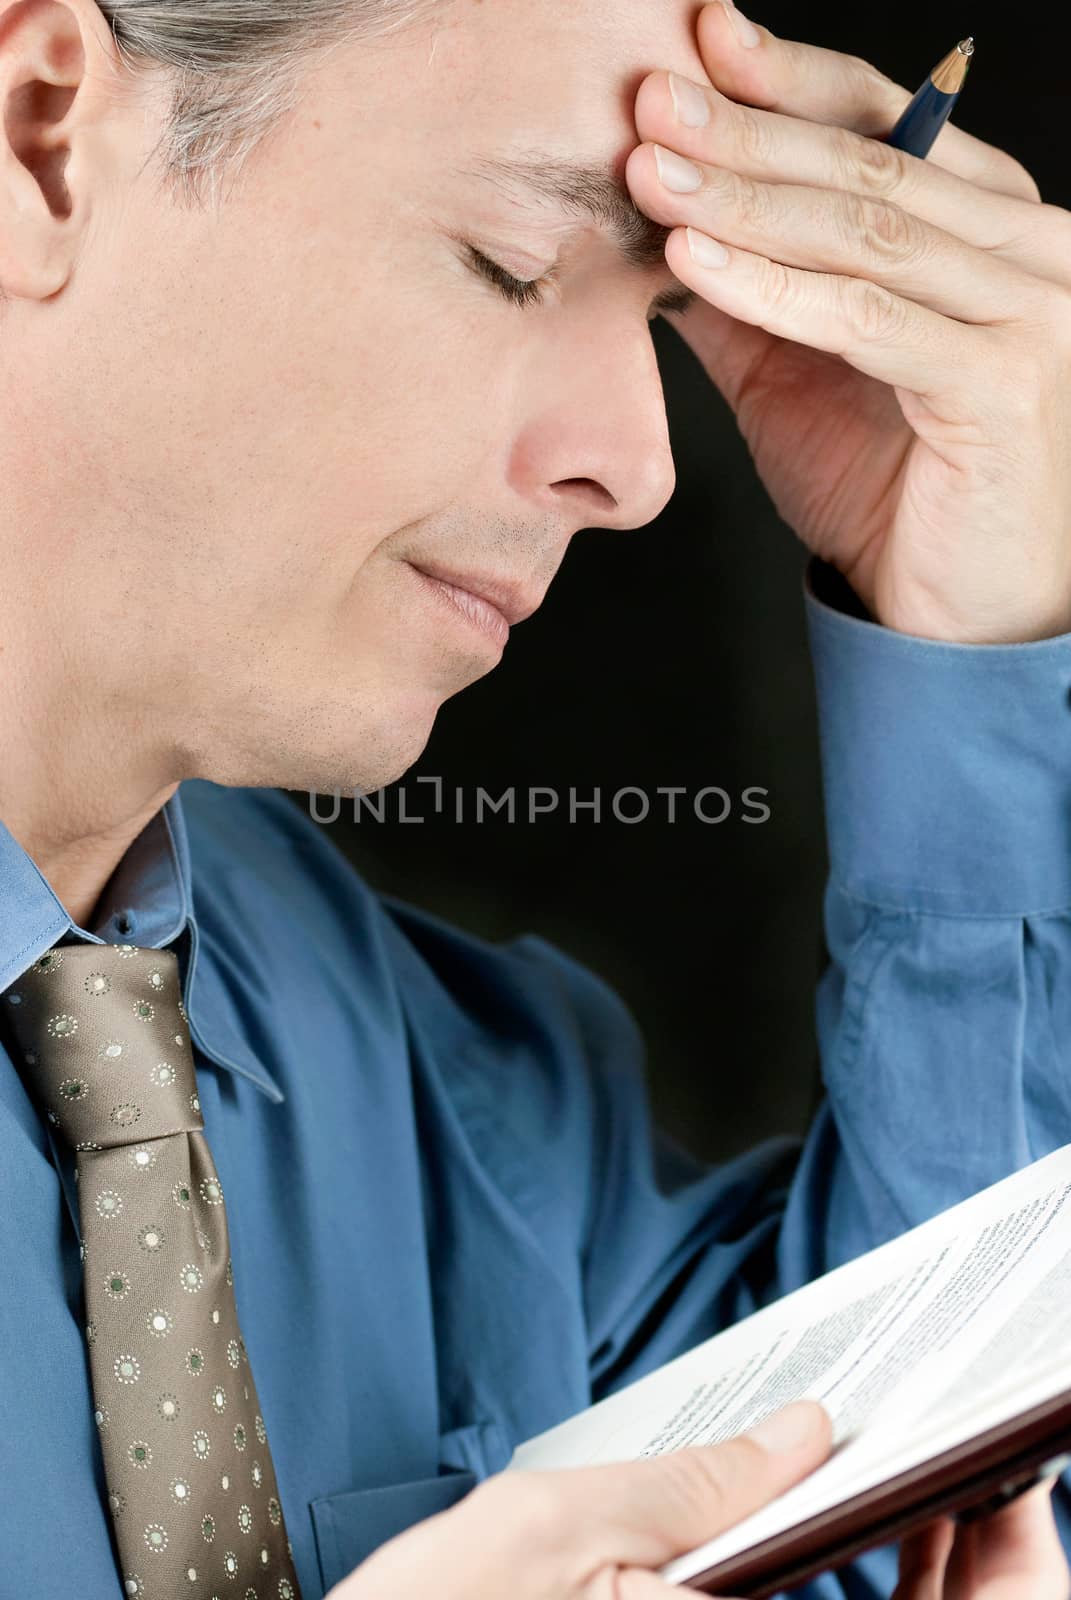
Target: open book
column 943, row 1357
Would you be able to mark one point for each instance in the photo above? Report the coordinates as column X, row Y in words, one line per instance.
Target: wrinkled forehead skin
column 563, row 73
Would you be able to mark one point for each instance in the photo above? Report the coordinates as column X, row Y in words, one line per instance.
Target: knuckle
column 882, row 229
column 775, row 284
column 752, row 134
column 720, row 187
column 874, row 314
column 753, row 203
column 874, row 168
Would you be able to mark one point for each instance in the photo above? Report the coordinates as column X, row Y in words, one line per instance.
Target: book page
column 910, row 1348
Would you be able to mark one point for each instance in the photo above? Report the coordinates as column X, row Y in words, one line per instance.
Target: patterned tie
column 103, row 1038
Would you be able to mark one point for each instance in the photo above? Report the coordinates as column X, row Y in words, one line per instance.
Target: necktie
column 103, row 1040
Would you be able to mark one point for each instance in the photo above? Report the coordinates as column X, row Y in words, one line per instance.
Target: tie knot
column 103, row 1039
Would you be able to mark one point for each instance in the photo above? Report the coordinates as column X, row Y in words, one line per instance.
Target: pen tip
column 966, row 46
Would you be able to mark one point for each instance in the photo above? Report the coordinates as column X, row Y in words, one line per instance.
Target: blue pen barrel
column 923, row 119
column 928, row 112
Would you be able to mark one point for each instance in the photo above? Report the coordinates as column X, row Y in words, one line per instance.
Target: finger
column 835, row 231
column 643, row 1513
column 1013, row 1553
column 877, row 332
column 701, row 123
column 821, row 85
column 923, row 1558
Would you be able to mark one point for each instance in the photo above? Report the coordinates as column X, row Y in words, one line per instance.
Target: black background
column 676, row 655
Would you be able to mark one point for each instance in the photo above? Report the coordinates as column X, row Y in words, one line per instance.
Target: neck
column 89, row 746
column 79, row 777
column 78, row 859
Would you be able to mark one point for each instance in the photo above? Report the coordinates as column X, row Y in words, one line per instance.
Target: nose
column 594, row 449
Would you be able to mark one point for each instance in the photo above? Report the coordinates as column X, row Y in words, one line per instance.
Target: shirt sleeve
column 944, row 1016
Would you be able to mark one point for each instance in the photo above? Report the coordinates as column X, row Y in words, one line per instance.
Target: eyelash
column 518, row 291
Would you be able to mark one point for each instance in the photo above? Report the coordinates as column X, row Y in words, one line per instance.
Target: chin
column 365, row 757
column 333, row 746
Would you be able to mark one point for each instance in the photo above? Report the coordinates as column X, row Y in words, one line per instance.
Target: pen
column 932, row 106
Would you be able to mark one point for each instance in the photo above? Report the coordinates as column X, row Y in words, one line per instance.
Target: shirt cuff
column 947, row 766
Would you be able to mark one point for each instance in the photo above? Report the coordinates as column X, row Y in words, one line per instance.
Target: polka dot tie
column 103, row 1040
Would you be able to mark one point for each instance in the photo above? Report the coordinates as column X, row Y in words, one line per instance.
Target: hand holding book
column 594, row 1533
column 943, row 1359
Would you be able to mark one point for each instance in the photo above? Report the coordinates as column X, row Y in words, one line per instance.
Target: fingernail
column 746, row 32
column 705, row 251
column 786, row 1430
column 675, row 173
column 689, row 102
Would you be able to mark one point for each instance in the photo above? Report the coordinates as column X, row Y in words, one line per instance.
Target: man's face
column 281, row 415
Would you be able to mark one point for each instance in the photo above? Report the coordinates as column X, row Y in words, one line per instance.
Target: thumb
column 645, row 1513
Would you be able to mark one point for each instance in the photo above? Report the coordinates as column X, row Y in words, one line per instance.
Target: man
column 324, row 329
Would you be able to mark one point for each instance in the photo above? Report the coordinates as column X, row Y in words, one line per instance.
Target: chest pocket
column 350, row 1525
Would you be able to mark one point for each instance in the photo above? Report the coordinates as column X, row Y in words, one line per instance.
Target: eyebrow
column 597, row 194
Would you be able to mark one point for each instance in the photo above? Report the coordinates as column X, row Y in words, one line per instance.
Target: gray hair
column 235, row 66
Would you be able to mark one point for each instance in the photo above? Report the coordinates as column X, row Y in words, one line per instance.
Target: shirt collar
column 148, row 901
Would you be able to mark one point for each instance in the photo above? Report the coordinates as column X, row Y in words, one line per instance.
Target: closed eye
column 530, row 291
column 519, row 291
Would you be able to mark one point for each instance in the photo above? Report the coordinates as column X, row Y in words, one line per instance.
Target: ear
column 58, row 61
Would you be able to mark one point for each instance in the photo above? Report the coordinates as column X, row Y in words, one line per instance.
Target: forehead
column 560, row 75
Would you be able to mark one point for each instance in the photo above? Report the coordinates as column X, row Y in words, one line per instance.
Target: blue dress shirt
column 451, row 1224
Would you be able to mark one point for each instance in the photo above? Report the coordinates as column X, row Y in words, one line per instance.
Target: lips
column 513, row 600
